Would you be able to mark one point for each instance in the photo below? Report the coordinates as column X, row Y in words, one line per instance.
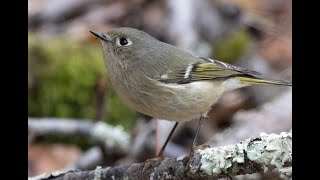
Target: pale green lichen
column 47, row 175
column 217, row 160
column 239, row 153
column 111, row 136
column 40, row 176
column 97, row 173
column 269, row 151
column 180, row 158
column 286, row 173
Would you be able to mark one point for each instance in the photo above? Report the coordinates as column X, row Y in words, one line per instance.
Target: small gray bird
column 165, row 82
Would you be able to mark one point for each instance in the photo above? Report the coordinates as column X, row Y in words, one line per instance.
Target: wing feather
column 208, row 70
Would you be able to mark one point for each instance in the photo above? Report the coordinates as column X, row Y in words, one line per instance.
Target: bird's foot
column 151, row 162
column 193, row 150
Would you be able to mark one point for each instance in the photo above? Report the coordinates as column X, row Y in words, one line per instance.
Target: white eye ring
column 123, row 41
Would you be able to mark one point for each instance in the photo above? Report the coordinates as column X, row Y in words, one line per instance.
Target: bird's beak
column 101, row 36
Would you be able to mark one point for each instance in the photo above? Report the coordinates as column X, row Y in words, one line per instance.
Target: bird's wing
column 211, row 69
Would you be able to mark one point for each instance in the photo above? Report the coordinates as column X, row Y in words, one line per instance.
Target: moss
column 231, row 48
column 65, row 74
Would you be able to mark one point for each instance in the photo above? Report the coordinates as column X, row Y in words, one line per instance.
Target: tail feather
column 250, row 80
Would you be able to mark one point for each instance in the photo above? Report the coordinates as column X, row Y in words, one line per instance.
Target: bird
column 165, row 82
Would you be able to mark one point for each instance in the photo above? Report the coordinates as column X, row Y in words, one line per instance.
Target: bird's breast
column 175, row 102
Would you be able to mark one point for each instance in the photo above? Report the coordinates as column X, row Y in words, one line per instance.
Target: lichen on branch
column 261, row 154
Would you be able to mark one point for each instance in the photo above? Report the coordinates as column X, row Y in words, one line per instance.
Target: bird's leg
column 150, row 162
column 194, row 142
column 197, row 132
column 169, row 137
column 196, row 136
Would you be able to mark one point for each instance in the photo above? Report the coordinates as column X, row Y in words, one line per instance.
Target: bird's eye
column 124, row 41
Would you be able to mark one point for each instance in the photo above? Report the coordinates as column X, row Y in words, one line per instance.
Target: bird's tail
column 252, row 80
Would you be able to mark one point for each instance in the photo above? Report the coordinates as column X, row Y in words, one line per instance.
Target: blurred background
column 76, row 120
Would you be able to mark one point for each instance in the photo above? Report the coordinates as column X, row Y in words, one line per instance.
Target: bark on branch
column 262, row 154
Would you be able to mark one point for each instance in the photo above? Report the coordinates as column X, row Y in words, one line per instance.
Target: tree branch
column 88, row 160
column 112, row 137
column 252, row 155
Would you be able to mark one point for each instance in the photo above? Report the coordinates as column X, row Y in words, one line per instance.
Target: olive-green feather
column 213, row 69
column 250, row 80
